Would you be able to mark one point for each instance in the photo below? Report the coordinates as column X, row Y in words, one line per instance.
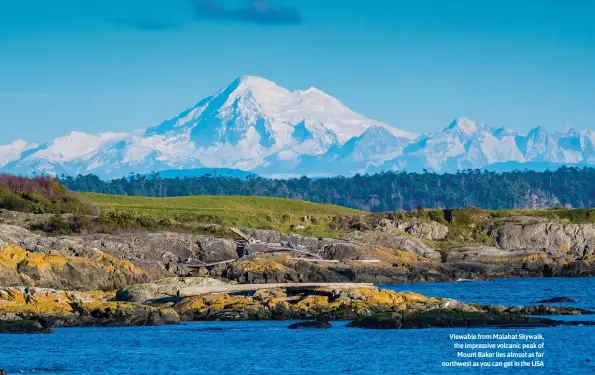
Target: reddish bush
column 40, row 194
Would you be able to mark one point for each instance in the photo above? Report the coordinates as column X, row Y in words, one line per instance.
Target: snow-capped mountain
column 465, row 144
column 255, row 125
column 14, row 151
column 240, row 126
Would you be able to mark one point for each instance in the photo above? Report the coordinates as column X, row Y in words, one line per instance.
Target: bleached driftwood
column 318, row 260
column 240, row 233
column 232, row 288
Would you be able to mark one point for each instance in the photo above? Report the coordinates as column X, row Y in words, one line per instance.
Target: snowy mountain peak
column 569, row 130
column 464, row 125
column 14, row 150
column 255, row 81
column 76, row 145
column 19, row 144
column 247, row 124
column 312, row 107
column 376, row 132
column 312, row 89
column 503, row 132
column 258, row 85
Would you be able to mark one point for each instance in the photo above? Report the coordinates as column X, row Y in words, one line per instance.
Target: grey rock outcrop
column 423, row 229
column 162, row 289
column 535, row 233
column 140, row 247
column 395, row 241
column 427, row 230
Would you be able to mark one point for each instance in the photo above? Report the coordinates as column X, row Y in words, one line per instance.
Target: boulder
column 213, row 249
column 343, row 251
column 424, row 229
column 317, row 324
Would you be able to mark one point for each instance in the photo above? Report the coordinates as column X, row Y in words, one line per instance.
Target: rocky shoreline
column 139, row 278
column 33, row 310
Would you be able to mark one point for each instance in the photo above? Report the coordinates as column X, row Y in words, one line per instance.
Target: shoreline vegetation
column 87, row 259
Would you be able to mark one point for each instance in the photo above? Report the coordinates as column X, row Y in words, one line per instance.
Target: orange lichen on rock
column 46, row 301
column 379, row 298
column 216, row 302
column 263, row 265
column 286, row 303
column 313, row 302
column 92, row 269
column 108, row 305
column 12, row 255
column 23, row 301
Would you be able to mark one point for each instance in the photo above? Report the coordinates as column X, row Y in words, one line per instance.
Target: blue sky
column 107, row 65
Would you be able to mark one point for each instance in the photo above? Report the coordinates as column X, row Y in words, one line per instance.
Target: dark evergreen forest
column 386, row 191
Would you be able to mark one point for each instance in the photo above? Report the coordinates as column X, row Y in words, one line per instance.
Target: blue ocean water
column 229, row 348
column 510, row 292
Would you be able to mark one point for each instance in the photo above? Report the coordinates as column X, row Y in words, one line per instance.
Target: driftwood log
column 234, row 288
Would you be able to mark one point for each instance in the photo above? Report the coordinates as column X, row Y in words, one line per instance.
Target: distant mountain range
column 254, row 125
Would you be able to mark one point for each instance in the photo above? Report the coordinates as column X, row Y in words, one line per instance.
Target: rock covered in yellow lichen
column 42, row 301
column 91, row 270
column 220, row 307
column 73, row 308
column 281, row 303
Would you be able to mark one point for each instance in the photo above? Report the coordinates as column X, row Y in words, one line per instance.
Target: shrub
column 465, row 217
column 437, row 216
column 79, row 223
column 40, row 195
column 57, row 225
column 577, row 215
column 12, row 201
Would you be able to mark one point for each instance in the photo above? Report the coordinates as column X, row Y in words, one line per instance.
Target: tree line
column 386, row 191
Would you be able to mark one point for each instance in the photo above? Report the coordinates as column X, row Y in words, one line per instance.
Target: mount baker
column 255, row 125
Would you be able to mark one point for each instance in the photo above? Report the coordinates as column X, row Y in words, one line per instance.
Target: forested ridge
column 386, row 191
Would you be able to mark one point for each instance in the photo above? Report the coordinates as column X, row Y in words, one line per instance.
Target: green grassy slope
column 243, row 211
